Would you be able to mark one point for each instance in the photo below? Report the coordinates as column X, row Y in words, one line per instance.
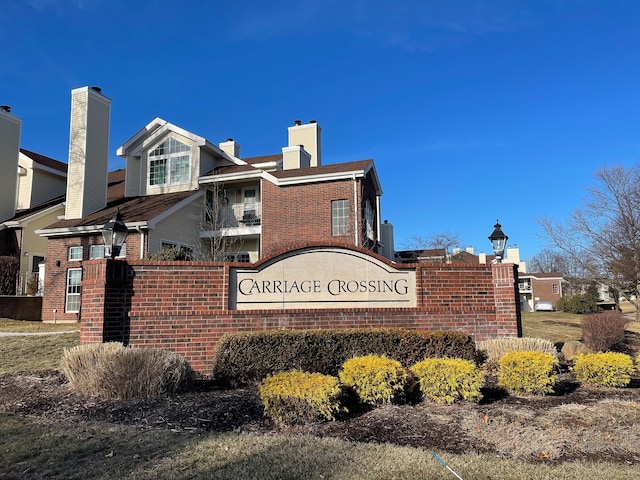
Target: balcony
column 524, row 287
column 236, row 219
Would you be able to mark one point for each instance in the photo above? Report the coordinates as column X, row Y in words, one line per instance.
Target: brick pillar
column 106, row 293
column 505, row 282
column 94, row 291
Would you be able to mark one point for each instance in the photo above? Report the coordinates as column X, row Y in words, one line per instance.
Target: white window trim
column 68, row 296
column 107, row 252
column 345, row 223
column 169, row 157
column 75, row 248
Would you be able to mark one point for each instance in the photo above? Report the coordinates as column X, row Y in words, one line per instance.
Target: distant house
column 539, row 287
column 440, row 255
column 29, row 202
column 437, row 255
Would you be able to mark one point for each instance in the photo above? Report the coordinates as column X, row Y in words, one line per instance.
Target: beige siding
column 207, row 162
column 88, row 153
column 25, row 183
column 182, row 227
column 9, row 150
column 192, row 184
column 133, row 187
column 46, row 186
column 33, row 244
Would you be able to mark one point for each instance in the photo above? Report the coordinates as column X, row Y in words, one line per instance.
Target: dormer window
column 169, row 163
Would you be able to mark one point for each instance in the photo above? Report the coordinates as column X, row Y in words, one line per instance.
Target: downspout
column 355, row 207
column 378, row 238
column 141, row 232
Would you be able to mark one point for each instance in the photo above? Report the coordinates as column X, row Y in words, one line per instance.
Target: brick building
column 539, row 287
column 178, row 189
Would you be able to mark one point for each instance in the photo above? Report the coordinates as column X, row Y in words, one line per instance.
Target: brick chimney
column 88, row 152
column 9, row 152
column 307, row 135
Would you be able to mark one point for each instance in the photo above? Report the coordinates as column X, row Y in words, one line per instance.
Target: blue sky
column 472, row 110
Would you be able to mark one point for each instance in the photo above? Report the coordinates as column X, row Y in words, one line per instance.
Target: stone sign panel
column 322, row 277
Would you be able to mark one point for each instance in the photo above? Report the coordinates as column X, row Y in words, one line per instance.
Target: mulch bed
column 207, row 408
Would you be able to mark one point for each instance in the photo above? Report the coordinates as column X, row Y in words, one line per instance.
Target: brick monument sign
column 187, row 306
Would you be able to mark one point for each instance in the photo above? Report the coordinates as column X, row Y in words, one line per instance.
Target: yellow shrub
column 375, row 379
column 446, row 380
column 605, row 369
column 298, row 397
column 528, row 372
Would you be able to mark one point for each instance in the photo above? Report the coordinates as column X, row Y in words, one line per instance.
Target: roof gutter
column 84, row 229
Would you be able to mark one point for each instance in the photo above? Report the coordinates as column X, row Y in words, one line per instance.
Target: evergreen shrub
column 375, row 379
column 579, row 304
column 244, row 357
column 112, row 370
column 602, row 331
column 9, row 270
column 608, row 369
column 445, row 380
column 528, row 372
column 300, row 397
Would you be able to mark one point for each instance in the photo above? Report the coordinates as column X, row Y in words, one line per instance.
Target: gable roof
column 158, row 127
column 465, row 257
column 136, row 211
column 46, row 161
column 115, row 191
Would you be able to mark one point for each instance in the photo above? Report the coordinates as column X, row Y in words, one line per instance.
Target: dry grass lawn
column 35, row 444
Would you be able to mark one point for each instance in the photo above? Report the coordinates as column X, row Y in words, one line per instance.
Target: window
column 369, row 218
column 75, row 253
column 96, row 251
column 556, row 290
column 35, row 265
column 249, row 212
column 169, row 163
column 182, row 252
column 339, row 217
column 237, row 257
column 74, row 280
column 101, row 251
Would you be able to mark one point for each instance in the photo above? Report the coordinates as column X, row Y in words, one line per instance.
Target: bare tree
column 217, row 218
column 446, row 240
column 603, row 236
column 577, row 279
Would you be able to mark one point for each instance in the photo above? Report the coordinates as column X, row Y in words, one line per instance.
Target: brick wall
column 295, row 212
column 57, row 265
column 543, row 289
column 183, row 306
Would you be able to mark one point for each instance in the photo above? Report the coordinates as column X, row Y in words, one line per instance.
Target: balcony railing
column 235, row 215
column 524, row 287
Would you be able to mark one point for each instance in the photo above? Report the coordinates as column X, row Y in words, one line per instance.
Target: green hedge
column 250, row 356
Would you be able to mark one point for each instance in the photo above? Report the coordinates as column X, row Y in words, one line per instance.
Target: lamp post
column 114, row 233
column 498, row 241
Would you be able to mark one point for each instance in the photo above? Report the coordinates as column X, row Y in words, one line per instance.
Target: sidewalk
column 28, row 334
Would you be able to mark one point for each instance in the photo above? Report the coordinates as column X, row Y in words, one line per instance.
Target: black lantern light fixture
column 114, row 233
column 498, row 241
